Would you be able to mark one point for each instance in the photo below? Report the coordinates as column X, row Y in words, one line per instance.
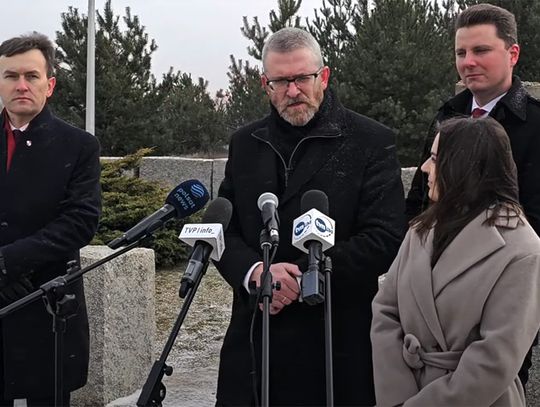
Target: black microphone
column 207, row 240
column 268, row 204
column 186, row 199
column 313, row 232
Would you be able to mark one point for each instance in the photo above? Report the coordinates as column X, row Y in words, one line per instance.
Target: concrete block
column 407, row 175
column 171, row 171
column 218, row 173
column 533, row 385
column 533, row 88
column 121, row 310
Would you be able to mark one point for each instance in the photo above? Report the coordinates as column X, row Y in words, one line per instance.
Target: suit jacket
column 353, row 160
column 519, row 114
column 49, row 210
column 456, row 335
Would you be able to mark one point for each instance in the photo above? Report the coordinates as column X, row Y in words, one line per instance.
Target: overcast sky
column 194, row 36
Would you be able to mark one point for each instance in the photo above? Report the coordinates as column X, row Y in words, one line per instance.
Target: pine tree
column 123, row 80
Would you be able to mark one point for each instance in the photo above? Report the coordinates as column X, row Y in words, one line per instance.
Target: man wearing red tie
column 49, row 208
column 486, row 51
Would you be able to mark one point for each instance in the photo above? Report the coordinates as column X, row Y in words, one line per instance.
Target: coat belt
column 416, row 358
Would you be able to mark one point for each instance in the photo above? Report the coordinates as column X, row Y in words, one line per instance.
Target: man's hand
column 12, row 290
column 285, row 274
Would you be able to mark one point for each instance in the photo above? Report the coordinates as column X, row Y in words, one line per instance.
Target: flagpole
column 90, row 68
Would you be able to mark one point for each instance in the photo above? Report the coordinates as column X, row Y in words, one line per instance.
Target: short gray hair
column 290, row 39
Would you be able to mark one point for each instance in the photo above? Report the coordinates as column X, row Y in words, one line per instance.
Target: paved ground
column 195, row 355
column 196, row 352
column 195, row 388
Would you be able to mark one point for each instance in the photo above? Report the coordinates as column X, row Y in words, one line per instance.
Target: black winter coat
column 49, row 208
column 353, row 160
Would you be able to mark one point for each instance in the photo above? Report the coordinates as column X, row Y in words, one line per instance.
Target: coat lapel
column 422, row 286
column 475, row 242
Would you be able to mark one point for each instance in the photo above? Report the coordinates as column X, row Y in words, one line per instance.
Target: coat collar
column 514, row 102
column 40, row 121
column 321, row 141
column 427, row 284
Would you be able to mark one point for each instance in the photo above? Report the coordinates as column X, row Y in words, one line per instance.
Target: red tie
column 17, row 135
column 478, row 112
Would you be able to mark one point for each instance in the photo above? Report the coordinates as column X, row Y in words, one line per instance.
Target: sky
column 193, row 36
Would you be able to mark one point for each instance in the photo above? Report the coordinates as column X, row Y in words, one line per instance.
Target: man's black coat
column 353, row 160
column 49, row 208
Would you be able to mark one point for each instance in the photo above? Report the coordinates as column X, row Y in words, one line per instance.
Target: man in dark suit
column 308, row 141
column 49, row 208
column 486, row 52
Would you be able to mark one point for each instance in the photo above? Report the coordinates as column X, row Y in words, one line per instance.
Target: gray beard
column 299, row 119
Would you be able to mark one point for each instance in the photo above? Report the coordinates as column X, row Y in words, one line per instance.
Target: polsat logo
column 326, row 230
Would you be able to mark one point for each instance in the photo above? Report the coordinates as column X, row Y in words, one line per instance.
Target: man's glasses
column 300, row 81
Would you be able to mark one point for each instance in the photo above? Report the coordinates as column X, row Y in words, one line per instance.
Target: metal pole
column 90, row 68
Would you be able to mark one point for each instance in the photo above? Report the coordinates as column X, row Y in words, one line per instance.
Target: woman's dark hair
column 474, row 171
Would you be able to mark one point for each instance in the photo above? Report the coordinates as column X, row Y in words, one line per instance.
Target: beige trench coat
column 457, row 335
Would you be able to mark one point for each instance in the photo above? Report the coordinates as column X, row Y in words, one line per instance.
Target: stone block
column 533, row 385
column 218, row 173
column 121, row 310
column 407, row 175
column 171, row 171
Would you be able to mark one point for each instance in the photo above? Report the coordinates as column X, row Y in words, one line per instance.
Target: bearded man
column 309, row 141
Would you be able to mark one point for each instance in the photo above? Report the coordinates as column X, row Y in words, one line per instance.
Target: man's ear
column 264, row 83
column 514, row 54
column 51, row 83
column 325, row 76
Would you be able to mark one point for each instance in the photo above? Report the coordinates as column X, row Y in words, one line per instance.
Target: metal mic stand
column 61, row 306
column 154, row 391
column 327, row 267
column 266, row 294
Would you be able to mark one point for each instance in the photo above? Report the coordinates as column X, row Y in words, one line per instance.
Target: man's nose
column 292, row 89
column 22, row 84
column 469, row 59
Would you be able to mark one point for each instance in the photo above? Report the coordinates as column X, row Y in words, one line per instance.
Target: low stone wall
column 121, row 312
column 171, row 171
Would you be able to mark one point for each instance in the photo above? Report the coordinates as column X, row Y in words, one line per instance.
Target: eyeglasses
column 300, row 81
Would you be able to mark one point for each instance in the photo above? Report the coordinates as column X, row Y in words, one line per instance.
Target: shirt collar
column 488, row 106
column 22, row 128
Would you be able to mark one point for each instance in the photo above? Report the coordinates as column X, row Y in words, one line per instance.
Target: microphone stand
column 266, row 294
column 327, row 267
column 154, row 391
column 61, row 306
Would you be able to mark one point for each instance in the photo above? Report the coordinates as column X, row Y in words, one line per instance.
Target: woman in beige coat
column 460, row 305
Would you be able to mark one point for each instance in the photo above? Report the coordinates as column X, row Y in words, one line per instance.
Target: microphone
column 313, row 233
column 184, row 200
column 268, row 204
column 207, row 241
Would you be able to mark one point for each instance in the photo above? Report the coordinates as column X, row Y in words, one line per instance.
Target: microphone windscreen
column 219, row 211
column 188, row 197
column 314, row 199
column 267, row 197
